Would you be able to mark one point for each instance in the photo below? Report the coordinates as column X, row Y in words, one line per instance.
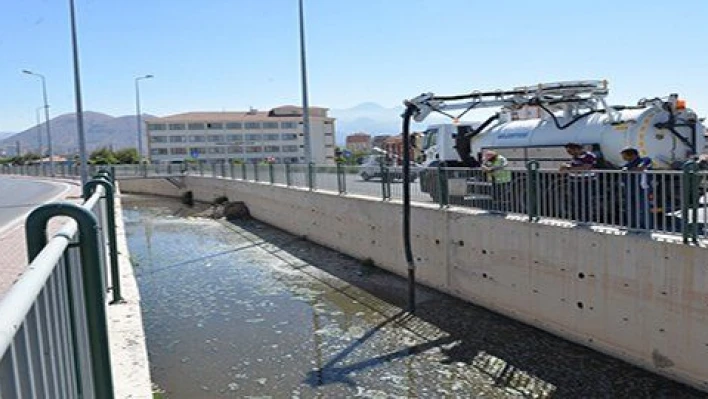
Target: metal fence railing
column 672, row 202
column 53, row 334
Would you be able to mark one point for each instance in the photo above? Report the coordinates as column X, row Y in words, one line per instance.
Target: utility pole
column 83, row 169
column 305, row 101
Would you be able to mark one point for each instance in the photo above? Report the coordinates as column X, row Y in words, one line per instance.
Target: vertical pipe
column 305, row 99
column 77, row 94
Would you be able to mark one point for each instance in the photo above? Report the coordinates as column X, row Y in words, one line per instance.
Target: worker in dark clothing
column 637, row 189
column 581, row 181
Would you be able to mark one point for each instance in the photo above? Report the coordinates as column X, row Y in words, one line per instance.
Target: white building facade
column 252, row 136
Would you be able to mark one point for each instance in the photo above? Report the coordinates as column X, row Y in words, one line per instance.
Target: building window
column 254, row 149
column 290, row 148
column 215, row 138
column 235, row 149
column 271, row 148
column 178, row 139
column 270, row 125
column 158, row 139
column 234, row 125
column 254, row 137
column 197, row 139
column 197, row 150
column 156, row 126
column 176, row 126
column 234, row 137
column 178, row 151
column 196, row 126
column 328, row 134
column 216, row 150
column 288, row 136
column 215, row 126
column 158, row 151
column 253, row 125
column 271, row 137
column 329, row 146
column 288, row 125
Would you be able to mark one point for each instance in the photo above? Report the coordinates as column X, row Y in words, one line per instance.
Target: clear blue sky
column 231, row 54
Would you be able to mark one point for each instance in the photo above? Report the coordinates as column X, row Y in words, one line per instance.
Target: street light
column 137, row 114
column 305, row 101
column 46, row 118
column 83, row 167
column 39, row 132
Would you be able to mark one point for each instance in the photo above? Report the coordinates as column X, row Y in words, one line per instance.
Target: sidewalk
column 13, row 250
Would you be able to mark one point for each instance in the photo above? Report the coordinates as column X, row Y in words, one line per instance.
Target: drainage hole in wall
column 437, row 242
column 581, row 275
column 663, row 292
column 626, row 285
column 461, row 243
column 580, row 305
column 484, row 275
column 535, row 291
column 625, row 319
column 484, row 251
column 661, row 330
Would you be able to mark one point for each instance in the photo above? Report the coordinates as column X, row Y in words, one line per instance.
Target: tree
column 127, row 156
column 102, row 156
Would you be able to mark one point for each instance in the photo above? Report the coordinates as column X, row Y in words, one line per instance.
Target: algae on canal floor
column 239, row 310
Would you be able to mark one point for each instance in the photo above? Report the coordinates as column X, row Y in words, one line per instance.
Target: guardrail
column 671, row 202
column 53, row 334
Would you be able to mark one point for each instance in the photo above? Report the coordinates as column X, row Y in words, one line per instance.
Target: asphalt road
column 20, row 196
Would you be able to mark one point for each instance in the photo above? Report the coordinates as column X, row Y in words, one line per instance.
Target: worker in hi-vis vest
column 494, row 166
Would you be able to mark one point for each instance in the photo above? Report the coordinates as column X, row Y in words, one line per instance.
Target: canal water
column 246, row 310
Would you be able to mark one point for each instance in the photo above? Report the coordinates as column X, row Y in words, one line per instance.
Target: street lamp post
column 46, row 118
column 305, row 101
column 138, row 114
column 83, row 167
column 39, row 132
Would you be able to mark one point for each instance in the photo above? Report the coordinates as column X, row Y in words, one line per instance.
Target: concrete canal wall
column 632, row 297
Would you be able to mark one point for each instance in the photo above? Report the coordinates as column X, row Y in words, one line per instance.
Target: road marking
column 14, row 223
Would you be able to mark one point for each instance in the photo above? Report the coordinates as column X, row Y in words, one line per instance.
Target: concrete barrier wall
column 631, row 297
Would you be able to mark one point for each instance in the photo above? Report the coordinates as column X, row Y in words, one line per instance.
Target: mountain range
column 103, row 130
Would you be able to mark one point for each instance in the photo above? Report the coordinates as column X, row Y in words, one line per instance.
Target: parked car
column 370, row 168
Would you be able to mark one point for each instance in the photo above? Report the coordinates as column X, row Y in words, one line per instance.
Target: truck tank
column 635, row 127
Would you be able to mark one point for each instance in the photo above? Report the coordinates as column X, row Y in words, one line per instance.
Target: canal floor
column 246, row 310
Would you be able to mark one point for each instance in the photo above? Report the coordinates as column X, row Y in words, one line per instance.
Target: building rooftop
column 255, row 115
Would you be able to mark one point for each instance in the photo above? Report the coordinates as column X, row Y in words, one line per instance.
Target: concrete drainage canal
column 240, row 309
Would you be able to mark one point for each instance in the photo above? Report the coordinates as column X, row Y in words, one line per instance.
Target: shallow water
column 250, row 311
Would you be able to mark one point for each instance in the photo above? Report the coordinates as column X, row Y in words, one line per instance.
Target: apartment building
column 252, row 136
column 359, row 142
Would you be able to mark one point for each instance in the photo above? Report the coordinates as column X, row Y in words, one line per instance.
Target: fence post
column 311, row 176
column 271, row 172
column 442, row 187
column 288, row 176
column 231, row 170
column 255, row 172
column 532, row 190
column 201, row 168
column 689, row 203
column 382, row 172
column 112, row 239
column 244, row 171
column 36, row 236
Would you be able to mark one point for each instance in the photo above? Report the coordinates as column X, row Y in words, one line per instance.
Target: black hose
column 410, row 110
column 569, row 124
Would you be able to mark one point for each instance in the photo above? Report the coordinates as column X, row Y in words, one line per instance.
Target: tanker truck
column 535, row 122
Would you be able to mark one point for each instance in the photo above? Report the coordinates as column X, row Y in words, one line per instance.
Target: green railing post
column 244, row 171
column 255, row 172
column 689, row 202
column 36, row 237
column 382, row 172
column 271, row 172
column 288, row 176
column 223, row 169
column 532, row 190
column 311, row 176
column 231, row 170
column 443, row 199
column 90, row 188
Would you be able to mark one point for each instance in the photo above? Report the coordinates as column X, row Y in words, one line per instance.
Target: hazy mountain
column 374, row 119
column 101, row 130
column 4, row 135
